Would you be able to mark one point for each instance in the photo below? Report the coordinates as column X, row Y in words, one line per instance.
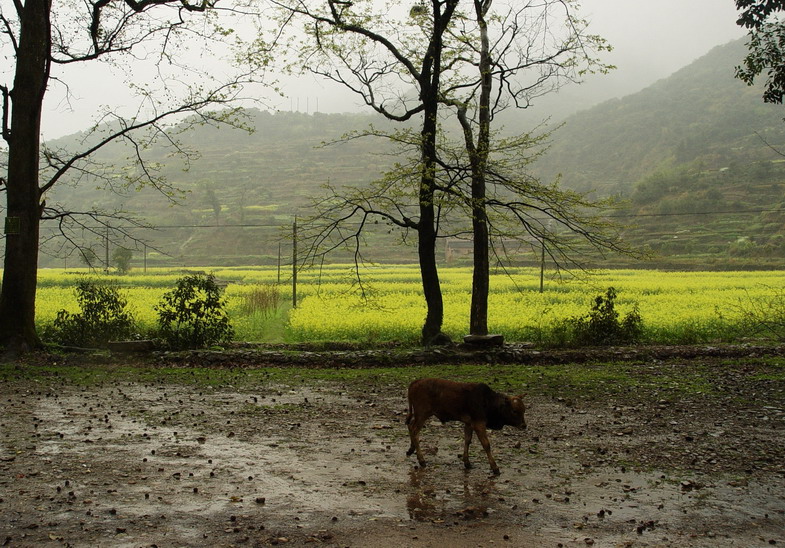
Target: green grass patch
column 578, row 381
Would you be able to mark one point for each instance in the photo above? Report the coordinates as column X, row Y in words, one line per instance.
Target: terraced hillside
column 698, row 157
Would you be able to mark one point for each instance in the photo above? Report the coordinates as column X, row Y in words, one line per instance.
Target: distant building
column 460, row 248
column 455, row 248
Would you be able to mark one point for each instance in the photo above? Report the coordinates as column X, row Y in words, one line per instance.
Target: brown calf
column 474, row 404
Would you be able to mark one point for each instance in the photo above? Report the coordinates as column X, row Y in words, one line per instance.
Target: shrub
column 193, row 314
column 103, row 317
column 742, row 247
column 602, row 326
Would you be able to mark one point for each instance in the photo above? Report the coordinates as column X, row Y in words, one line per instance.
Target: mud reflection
column 461, row 495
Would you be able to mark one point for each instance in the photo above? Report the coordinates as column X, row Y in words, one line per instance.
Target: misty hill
column 684, row 152
column 701, row 113
column 690, row 152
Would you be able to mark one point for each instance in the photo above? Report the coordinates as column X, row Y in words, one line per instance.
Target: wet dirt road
column 134, row 464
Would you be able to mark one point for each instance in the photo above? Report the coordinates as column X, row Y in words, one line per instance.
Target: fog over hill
column 700, row 113
column 697, row 137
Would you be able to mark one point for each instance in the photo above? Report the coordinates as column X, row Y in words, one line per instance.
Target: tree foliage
column 121, row 259
column 754, row 13
column 766, row 46
column 506, row 55
column 487, row 57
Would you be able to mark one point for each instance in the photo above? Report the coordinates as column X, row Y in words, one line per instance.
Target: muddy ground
column 320, row 463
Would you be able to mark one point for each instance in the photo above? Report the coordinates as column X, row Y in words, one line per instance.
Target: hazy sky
column 651, row 40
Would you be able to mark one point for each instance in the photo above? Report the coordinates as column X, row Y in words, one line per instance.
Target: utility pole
column 294, row 264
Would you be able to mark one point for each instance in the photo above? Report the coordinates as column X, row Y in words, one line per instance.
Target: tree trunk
column 478, row 320
column 427, row 227
column 17, row 297
column 426, row 232
column 429, row 274
column 478, row 317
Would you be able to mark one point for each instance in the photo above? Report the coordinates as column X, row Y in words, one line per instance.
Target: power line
column 278, row 225
column 687, row 213
column 158, row 227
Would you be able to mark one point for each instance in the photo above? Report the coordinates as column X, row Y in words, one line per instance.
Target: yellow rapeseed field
column 388, row 305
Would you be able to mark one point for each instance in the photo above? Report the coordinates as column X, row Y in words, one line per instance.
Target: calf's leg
column 415, row 425
column 482, row 435
column 467, row 439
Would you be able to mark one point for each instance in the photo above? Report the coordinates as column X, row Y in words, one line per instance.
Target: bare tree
column 507, row 54
column 42, row 34
column 493, row 57
column 393, row 62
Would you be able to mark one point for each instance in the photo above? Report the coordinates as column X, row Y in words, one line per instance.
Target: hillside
column 692, row 153
column 701, row 113
column 244, row 190
column 688, row 153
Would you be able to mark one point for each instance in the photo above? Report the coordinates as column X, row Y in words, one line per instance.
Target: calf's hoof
column 409, row 452
column 495, row 471
column 467, row 465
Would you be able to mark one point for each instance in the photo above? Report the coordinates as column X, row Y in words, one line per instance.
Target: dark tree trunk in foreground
column 427, row 233
column 17, row 300
column 427, row 230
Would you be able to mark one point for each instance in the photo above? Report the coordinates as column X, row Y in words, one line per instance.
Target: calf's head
column 514, row 412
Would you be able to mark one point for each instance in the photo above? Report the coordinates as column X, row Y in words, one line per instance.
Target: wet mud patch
column 317, row 463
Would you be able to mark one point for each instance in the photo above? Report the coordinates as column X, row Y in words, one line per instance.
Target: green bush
column 193, row 314
column 602, row 326
column 103, row 317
